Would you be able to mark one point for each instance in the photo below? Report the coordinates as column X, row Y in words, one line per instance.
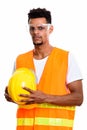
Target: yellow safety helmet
column 21, row 77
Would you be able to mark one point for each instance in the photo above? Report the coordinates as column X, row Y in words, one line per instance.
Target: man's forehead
column 37, row 20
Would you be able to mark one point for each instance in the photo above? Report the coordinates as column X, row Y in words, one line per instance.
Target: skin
column 42, row 48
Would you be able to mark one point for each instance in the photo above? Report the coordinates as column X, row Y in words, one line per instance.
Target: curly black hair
column 39, row 13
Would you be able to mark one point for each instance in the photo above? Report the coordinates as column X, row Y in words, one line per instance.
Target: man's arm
column 75, row 97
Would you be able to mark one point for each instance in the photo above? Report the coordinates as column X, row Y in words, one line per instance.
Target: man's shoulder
column 60, row 50
column 25, row 53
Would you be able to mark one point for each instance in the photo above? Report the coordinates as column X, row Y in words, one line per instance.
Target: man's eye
column 41, row 28
column 32, row 28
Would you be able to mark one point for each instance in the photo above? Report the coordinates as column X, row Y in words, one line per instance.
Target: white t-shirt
column 73, row 73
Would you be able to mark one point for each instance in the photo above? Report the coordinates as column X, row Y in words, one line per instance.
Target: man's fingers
column 24, row 95
column 28, row 89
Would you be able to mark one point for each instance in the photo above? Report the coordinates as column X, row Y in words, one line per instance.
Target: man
column 59, row 81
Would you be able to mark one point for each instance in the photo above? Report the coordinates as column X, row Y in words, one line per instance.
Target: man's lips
column 36, row 38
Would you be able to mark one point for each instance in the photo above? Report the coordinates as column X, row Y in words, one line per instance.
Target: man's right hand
column 7, row 97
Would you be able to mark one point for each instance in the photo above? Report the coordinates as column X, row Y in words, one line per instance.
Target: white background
column 69, row 18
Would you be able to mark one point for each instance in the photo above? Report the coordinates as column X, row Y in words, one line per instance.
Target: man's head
column 40, row 27
column 40, row 13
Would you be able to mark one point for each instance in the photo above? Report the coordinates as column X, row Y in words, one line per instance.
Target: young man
column 59, row 81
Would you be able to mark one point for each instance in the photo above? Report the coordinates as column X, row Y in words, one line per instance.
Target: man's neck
column 41, row 52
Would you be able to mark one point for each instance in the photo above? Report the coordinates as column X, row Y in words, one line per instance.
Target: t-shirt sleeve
column 74, row 72
column 14, row 67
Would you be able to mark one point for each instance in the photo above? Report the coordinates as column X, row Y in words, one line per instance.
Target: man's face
column 39, row 30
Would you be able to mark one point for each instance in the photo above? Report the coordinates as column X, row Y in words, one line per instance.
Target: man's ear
column 51, row 28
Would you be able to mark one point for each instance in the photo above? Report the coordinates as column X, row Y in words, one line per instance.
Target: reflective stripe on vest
column 25, row 121
column 46, row 105
column 45, row 121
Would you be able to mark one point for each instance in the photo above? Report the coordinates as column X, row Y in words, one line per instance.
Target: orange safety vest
column 53, row 81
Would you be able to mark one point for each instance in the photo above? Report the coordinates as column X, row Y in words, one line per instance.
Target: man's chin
column 37, row 44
